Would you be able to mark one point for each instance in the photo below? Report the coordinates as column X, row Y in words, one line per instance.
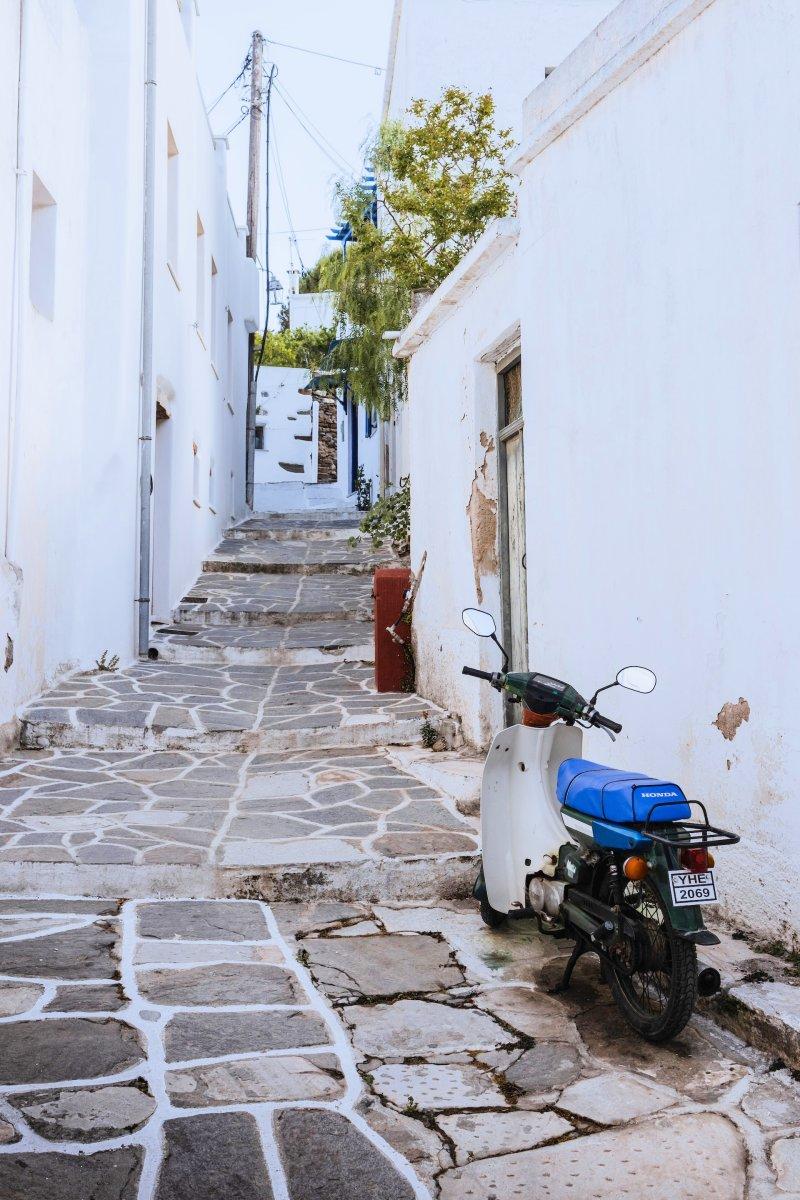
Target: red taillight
column 696, row 859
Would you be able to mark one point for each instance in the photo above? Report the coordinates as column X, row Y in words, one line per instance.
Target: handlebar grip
column 606, row 723
column 478, row 674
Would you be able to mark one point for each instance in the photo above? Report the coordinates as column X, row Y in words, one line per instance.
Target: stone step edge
column 190, row 654
column 308, row 533
column 41, row 735
column 253, row 566
column 415, row 880
column 759, row 999
column 242, row 618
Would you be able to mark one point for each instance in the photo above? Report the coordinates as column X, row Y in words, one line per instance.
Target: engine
column 545, row 895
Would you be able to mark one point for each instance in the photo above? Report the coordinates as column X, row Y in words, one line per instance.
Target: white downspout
column 147, row 414
column 16, row 327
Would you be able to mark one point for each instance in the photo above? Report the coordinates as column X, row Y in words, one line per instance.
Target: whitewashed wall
column 658, row 286
column 504, row 46
column 69, row 558
column 661, row 381
column 452, row 422
column 289, row 425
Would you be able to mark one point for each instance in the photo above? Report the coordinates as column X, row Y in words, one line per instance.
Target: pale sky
column 343, row 102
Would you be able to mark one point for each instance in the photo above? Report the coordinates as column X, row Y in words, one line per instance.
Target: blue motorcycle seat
column 622, row 796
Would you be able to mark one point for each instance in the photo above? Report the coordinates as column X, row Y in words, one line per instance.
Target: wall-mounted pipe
column 147, row 400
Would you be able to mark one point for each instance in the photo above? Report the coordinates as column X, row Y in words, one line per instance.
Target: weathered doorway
column 353, row 432
column 512, row 515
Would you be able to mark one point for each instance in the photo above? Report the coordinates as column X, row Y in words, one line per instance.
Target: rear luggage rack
column 688, row 833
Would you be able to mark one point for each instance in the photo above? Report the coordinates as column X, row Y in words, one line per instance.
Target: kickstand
column 580, row 947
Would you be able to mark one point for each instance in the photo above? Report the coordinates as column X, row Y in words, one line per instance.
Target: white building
column 72, row 325
column 500, row 46
column 650, row 293
column 309, row 433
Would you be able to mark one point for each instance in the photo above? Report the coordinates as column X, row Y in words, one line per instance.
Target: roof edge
column 496, row 238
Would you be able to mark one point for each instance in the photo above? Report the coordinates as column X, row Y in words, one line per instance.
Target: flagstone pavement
column 238, row 960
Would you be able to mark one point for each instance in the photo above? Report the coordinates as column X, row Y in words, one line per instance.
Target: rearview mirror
column 637, row 679
column 479, row 622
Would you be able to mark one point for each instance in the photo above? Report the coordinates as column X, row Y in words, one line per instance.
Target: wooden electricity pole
column 253, row 194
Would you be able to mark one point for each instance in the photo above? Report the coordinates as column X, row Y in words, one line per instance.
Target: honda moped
column 615, row 860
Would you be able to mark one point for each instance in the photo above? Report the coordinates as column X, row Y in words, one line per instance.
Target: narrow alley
column 252, row 969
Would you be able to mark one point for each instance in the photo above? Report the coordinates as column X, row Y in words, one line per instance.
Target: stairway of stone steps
column 250, row 754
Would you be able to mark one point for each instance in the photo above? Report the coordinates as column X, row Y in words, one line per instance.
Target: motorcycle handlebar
column 478, row 674
column 606, row 723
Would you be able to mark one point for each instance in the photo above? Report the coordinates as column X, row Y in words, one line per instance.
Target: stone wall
column 327, row 444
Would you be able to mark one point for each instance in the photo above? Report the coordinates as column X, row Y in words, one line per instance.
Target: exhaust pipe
column 708, row 981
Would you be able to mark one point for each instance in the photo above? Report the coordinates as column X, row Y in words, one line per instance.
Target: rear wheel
column 653, row 977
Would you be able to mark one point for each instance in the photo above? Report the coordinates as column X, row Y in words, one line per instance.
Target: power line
column 329, row 151
column 270, row 84
column 353, row 62
column 285, row 199
column 245, row 68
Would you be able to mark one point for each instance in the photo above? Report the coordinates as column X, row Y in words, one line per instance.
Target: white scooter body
column 521, row 825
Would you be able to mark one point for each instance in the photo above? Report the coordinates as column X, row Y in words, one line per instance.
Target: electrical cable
column 353, row 62
column 270, row 84
column 245, row 68
column 330, row 153
column 285, row 197
column 287, row 95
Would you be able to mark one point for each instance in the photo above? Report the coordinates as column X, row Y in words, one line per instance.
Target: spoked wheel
column 654, row 975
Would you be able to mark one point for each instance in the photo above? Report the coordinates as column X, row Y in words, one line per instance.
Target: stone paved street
column 165, row 1049
column 238, row 961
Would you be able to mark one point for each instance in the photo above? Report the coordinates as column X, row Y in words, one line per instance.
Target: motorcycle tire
column 491, row 917
column 655, row 984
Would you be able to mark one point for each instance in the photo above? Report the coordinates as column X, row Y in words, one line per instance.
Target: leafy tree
column 310, row 280
column 441, row 180
column 295, row 347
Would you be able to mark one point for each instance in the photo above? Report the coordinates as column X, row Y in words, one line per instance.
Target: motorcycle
column 617, row 861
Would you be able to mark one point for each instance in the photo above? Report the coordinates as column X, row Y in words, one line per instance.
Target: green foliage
column 310, row 280
column 363, row 491
column 295, row 347
column 389, row 519
column 441, row 180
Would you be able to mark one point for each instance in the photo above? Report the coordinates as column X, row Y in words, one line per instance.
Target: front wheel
column 490, row 916
column 653, row 977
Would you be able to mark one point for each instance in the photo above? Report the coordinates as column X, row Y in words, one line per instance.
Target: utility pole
column 253, row 189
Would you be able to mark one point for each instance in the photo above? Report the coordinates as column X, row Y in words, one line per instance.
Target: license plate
column 690, row 887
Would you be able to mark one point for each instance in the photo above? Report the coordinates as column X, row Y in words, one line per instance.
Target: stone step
column 347, row 824
column 247, row 600
column 306, row 642
column 164, row 706
column 296, row 557
column 290, row 527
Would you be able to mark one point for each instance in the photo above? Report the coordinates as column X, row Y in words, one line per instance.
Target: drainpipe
column 147, row 413
column 15, row 357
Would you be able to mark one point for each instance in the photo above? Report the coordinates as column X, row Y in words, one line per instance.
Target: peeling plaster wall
column 662, row 425
column 452, row 430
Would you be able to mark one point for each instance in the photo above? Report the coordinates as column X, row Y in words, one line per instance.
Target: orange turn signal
column 635, row 867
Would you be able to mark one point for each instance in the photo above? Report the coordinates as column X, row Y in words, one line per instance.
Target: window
column 201, row 280
column 370, row 421
column 259, row 437
column 510, row 397
column 44, row 212
column 196, row 475
column 229, row 382
column 212, row 316
column 173, row 203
